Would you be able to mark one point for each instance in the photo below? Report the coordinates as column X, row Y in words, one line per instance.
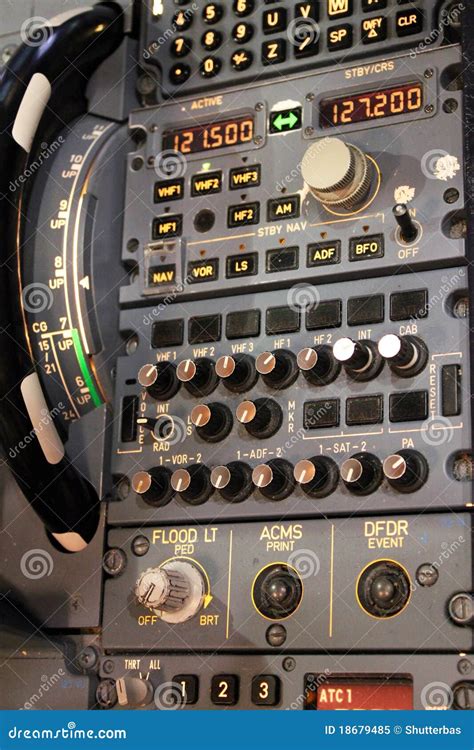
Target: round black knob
column 406, row 471
column 233, row 481
column 238, row 373
column 193, row 484
column 362, row 473
column 360, row 359
column 383, row 588
column 160, row 380
column 318, row 364
column 198, row 376
column 274, row 479
column 154, row 486
column 213, row 422
column 261, row 418
column 277, row 591
column 406, row 355
column 407, row 227
column 279, row 369
column 317, row 476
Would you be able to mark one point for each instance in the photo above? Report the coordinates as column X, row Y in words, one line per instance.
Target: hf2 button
column 318, row 365
column 277, row 591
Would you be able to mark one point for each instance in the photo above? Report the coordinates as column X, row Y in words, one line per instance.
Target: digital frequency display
column 210, row 136
column 372, row 105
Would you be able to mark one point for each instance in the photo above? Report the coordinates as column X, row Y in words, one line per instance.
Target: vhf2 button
column 365, row 248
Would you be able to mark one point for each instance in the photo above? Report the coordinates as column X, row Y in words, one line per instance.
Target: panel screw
column 114, row 561
column 429, row 109
column 463, row 695
column 140, row 546
column 309, row 130
column 427, row 575
column 259, row 106
column 310, row 97
column 289, row 664
column 428, row 73
column 122, row 490
column 258, row 140
column 146, row 85
column 451, row 195
column 153, row 128
column 108, row 666
column 464, row 666
column 87, row 659
column 463, row 468
column 276, row 635
column 461, row 608
column 106, row 694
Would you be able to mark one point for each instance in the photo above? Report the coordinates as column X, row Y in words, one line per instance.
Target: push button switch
column 339, row 37
column 364, row 410
column 204, row 329
column 364, row 310
column 167, row 333
column 241, row 59
column 188, row 686
column 241, row 265
column 274, row 20
column 225, row 689
column 244, row 214
column 409, row 406
column 323, row 254
column 283, row 208
column 409, row 22
column 199, row 270
column 169, row 190
column 322, row 413
column 244, row 177
column 326, row 314
column 265, row 690
column 365, row 248
column 339, row 8
column 243, row 324
column 274, row 52
column 451, row 392
column 282, row 320
column 162, row 275
column 206, row 183
column 165, row 227
column 409, row 305
column 374, row 29
column 282, row 259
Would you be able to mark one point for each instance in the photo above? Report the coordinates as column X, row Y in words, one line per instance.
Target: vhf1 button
column 169, row 190
column 283, row 208
column 167, row 226
column 241, row 265
column 323, row 254
column 199, row 270
column 247, row 213
column 365, row 248
column 206, row 183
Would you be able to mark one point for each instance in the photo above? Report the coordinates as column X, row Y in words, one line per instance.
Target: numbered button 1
column 211, row 40
column 210, row 67
column 242, row 33
column 241, row 59
column 188, row 685
column 181, row 46
column 225, row 689
column 212, row 13
column 265, row 690
column 243, row 7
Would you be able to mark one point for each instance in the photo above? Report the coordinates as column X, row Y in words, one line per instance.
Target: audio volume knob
column 317, row 476
column 406, row 355
column 233, row 481
column 160, row 380
column 261, row 418
column 238, row 373
column 360, row 359
column 174, row 591
column 134, row 691
column 406, row 471
column 154, row 486
column 198, row 376
column 362, row 473
column 318, row 365
column 274, row 479
column 193, row 484
column 213, row 422
column 279, row 369
column 338, row 174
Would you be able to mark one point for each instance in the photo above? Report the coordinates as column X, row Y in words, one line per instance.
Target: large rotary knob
column 174, row 592
column 338, row 174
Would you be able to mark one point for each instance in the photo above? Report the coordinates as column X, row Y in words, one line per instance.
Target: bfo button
column 323, row 253
column 365, row 248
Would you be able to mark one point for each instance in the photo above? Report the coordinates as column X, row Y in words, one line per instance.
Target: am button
column 283, row 208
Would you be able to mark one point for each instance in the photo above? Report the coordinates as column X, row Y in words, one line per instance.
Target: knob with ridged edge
column 174, row 592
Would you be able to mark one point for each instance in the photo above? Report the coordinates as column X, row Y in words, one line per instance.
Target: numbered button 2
column 265, row 690
column 225, row 689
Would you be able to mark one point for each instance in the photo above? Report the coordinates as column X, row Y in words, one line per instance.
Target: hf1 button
column 206, row 183
column 365, row 248
column 199, row 270
column 165, row 227
column 246, row 213
column 283, row 208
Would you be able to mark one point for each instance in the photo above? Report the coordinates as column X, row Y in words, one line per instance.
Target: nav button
column 241, row 265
